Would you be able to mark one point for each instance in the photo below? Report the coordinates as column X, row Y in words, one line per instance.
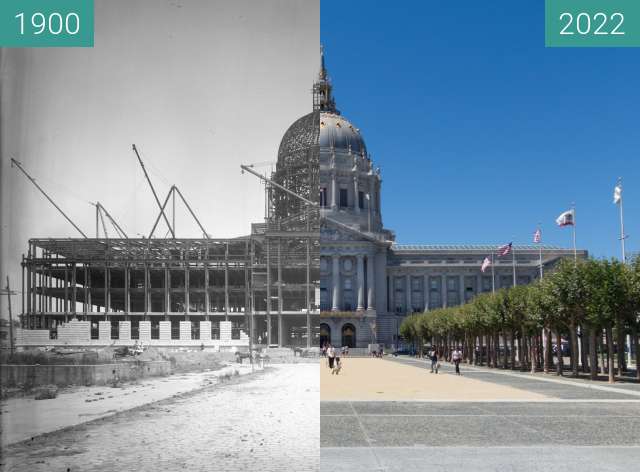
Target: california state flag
column 566, row 219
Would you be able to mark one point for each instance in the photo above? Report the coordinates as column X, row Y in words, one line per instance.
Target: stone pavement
column 381, row 379
column 570, row 426
column 24, row 418
column 267, row 422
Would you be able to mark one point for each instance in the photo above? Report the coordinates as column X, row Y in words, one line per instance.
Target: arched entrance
column 348, row 335
column 325, row 334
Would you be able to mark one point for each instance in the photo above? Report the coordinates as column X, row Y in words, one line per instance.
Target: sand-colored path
column 379, row 379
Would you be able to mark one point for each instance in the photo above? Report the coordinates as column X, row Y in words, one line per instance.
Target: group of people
column 333, row 357
column 434, row 357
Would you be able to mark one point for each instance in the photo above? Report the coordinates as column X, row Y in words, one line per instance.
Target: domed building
column 368, row 282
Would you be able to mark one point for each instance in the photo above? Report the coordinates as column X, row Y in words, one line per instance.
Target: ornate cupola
column 322, row 90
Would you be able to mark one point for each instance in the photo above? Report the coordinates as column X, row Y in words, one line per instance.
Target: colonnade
column 365, row 279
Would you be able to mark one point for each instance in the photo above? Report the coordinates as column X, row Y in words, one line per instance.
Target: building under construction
column 173, row 291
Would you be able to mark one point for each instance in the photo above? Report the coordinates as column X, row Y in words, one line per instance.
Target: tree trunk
column 636, row 345
column 609, row 334
column 560, row 363
column 593, row 354
column 621, row 343
column 533, row 357
column 512, row 347
column 574, row 350
column 547, row 357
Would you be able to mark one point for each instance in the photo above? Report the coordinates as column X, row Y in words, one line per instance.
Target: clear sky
column 480, row 131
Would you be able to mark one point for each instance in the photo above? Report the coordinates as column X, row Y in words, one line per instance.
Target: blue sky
column 480, row 131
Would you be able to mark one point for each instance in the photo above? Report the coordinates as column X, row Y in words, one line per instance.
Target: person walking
column 434, row 361
column 331, row 356
column 456, row 357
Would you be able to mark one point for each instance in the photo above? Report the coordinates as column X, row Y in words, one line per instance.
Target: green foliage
column 594, row 293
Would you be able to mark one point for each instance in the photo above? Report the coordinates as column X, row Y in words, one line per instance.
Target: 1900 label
column 46, row 23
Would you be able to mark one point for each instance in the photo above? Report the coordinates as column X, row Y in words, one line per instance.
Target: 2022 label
column 600, row 24
column 592, row 23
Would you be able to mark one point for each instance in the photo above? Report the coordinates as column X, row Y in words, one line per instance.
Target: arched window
column 348, row 335
column 325, row 334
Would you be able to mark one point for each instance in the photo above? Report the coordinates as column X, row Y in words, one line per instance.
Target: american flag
column 504, row 250
column 486, row 263
column 537, row 236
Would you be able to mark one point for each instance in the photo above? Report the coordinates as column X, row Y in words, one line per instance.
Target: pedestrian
column 337, row 365
column 331, row 356
column 456, row 357
column 434, row 362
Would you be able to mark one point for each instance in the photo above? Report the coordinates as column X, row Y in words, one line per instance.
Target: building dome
column 297, row 168
column 339, row 134
column 299, row 139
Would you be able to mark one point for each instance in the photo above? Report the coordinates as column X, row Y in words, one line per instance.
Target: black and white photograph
column 160, row 241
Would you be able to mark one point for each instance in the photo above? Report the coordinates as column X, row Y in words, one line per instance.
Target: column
column 443, row 290
column 360, row 280
column 371, row 282
column 372, row 194
column 335, row 278
column 461, row 289
column 226, row 283
column 186, row 290
column 356, row 200
column 74, row 291
column 207, row 298
column 407, row 294
column 391, row 288
column 425, row 295
column 334, row 190
column 127, row 304
column 147, row 301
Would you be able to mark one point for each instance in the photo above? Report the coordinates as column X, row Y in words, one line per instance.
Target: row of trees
column 594, row 304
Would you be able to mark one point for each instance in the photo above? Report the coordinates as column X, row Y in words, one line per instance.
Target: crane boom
column 153, row 190
column 284, row 189
column 33, row 181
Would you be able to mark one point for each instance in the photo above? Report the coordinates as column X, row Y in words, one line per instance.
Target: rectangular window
column 435, row 300
column 323, row 197
column 470, row 288
column 506, row 281
column 487, row 283
column 361, row 200
column 344, row 198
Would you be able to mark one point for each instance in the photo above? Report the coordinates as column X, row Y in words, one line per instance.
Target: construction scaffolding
column 264, row 285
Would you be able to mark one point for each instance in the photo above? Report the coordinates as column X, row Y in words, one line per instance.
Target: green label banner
column 46, row 23
column 592, row 23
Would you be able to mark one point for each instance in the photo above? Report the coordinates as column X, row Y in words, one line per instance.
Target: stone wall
column 63, row 375
column 78, row 333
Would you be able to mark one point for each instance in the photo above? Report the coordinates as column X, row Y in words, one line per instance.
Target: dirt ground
column 380, row 379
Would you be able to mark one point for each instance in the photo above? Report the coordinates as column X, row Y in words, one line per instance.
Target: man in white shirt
column 456, row 357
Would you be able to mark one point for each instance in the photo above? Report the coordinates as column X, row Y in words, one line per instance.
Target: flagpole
column 513, row 260
column 622, row 235
column 493, row 275
column 575, row 251
column 540, row 250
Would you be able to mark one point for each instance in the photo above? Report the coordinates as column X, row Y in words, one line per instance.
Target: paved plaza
column 547, row 423
column 267, row 422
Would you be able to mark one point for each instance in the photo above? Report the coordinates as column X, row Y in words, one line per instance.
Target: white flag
column 566, row 219
column 486, row 263
column 537, row 236
column 617, row 194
